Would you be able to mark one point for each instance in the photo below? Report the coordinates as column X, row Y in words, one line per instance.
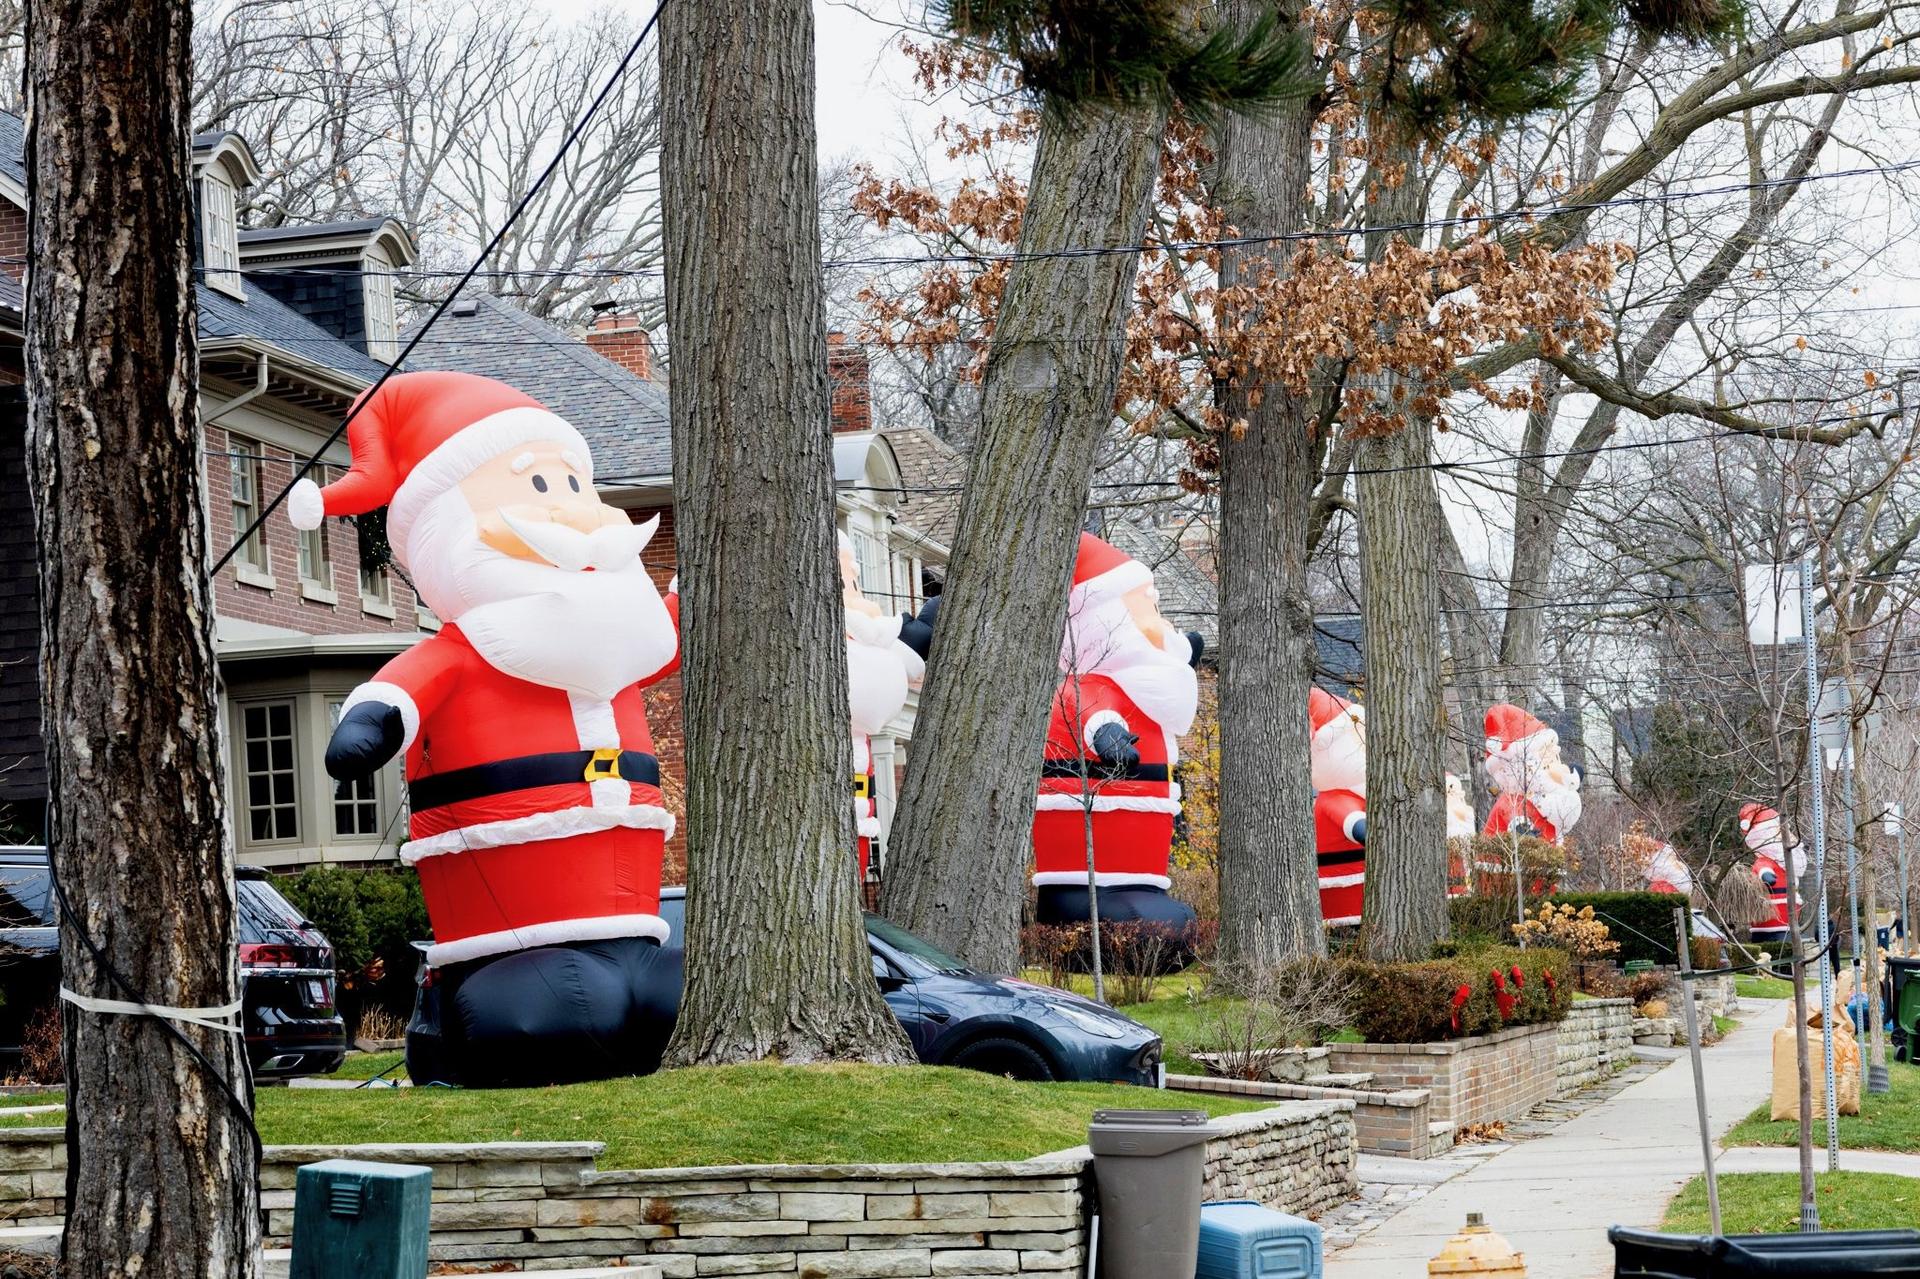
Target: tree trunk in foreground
column 1404, row 910
column 161, row 1175
column 777, row 960
column 1269, row 880
column 963, row 833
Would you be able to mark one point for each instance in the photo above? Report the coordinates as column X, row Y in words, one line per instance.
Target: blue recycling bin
column 1239, row 1239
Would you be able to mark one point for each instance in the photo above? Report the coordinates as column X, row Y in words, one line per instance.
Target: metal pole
column 1906, row 923
column 1809, row 1211
column 1848, row 835
column 1692, row 1016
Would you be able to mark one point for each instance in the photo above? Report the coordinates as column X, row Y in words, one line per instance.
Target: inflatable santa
column 1666, row 873
column 1760, row 827
column 533, row 793
column 1538, row 794
column 1460, row 828
column 885, row 655
column 1128, row 695
column 1337, row 760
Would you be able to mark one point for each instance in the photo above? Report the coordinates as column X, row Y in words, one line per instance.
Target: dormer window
column 219, row 233
column 376, row 275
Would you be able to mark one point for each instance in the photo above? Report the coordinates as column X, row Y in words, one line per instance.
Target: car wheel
column 1013, row 1058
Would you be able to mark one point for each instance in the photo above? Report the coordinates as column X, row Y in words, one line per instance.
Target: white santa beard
column 1337, row 754
column 592, row 633
column 1104, row 641
column 876, row 684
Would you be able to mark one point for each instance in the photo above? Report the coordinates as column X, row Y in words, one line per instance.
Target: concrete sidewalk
column 1554, row 1197
column 1787, row 1159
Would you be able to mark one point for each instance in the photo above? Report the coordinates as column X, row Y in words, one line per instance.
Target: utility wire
column 473, row 269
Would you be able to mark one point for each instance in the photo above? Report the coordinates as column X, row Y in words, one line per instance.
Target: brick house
column 605, row 383
column 293, row 323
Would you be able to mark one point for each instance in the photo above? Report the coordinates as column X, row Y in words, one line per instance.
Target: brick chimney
column 848, row 384
column 621, row 339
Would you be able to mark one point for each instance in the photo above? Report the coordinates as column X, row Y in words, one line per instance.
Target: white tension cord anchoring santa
column 534, row 796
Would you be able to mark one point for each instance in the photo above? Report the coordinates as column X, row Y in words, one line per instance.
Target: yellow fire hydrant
column 1477, row 1251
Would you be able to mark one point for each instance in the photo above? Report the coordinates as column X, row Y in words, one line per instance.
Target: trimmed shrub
column 372, row 917
column 1706, row 952
column 1470, row 992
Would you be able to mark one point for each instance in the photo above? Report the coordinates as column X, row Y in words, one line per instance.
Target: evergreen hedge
column 1641, row 922
column 1414, row 1003
column 372, row 917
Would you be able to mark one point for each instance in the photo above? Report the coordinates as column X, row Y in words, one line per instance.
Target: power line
column 560, row 154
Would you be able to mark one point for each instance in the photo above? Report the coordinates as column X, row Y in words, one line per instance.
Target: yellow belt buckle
column 605, row 765
column 862, row 785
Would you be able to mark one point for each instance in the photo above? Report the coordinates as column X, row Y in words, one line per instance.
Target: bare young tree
column 162, row 1162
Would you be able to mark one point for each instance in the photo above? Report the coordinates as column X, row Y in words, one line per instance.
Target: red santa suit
column 535, row 807
column 1760, row 828
column 1337, row 754
column 1118, row 681
column 1666, row 873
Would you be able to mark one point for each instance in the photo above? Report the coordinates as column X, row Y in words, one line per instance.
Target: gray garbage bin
column 1147, row 1165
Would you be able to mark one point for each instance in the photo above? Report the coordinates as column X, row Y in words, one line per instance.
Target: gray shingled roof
column 304, row 230
column 267, row 318
column 933, row 473
column 13, row 147
column 622, row 415
column 1339, row 654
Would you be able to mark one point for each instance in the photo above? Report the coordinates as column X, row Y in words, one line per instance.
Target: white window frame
column 376, row 300
column 376, row 589
column 244, row 769
column 875, row 564
column 219, row 234
column 364, row 791
column 253, row 562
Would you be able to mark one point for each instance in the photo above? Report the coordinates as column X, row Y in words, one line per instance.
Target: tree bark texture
column 962, row 836
column 161, row 1174
column 1405, row 906
column 1269, row 881
column 777, row 961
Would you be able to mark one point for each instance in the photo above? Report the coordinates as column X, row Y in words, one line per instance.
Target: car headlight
column 1089, row 1022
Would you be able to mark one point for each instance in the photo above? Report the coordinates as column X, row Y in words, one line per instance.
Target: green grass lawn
column 1768, row 1203
column 1755, row 986
column 1886, row 1122
column 728, row 1115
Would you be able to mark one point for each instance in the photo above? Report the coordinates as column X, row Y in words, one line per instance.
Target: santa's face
column 527, row 569
column 1529, row 765
column 538, row 503
column 1337, row 752
column 1128, row 640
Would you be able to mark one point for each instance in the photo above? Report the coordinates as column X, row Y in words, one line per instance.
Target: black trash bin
column 1885, row 1254
column 1148, row 1165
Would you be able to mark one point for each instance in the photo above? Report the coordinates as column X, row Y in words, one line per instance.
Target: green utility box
column 357, row 1220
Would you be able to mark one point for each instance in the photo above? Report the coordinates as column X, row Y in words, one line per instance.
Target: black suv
column 286, row 969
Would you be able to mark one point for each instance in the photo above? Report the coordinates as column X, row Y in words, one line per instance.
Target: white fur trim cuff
column 867, row 827
column 598, row 928
column 1342, row 881
column 306, row 509
column 1055, row 801
column 469, row 449
column 388, row 695
column 1099, row 720
column 1341, row 922
column 1102, row 878
column 538, row 826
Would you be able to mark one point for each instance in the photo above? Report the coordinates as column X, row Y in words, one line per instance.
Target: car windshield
column 25, row 897
column 914, row 947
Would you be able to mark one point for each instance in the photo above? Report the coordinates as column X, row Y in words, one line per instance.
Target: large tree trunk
column 1269, row 882
column 777, row 960
column 1405, row 906
column 962, row 836
column 161, row 1173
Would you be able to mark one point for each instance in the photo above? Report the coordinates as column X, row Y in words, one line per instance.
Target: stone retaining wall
column 1595, row 1040
column 545, row 1205
column 1476, row 1080
column 1385, row 1123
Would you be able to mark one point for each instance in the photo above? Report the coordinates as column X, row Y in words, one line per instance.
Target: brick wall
column 23, row 774
column 284, row 605
column 544, row 1205
column 1475, row 1080
column 1594, row 1041
column 1384, row 1123
column 13, row 261
column 849, row 383
column 664, row 704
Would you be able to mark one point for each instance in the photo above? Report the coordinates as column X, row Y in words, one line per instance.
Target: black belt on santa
column 1341, row 857
column 1104, row 771
column 526, row 772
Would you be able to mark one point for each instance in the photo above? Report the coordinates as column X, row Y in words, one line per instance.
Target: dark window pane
column 281, row 717
column 261, row 824
column 256, row 757
column 282, row 753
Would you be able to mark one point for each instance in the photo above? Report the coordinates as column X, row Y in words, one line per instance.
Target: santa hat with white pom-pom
column 417, row 436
